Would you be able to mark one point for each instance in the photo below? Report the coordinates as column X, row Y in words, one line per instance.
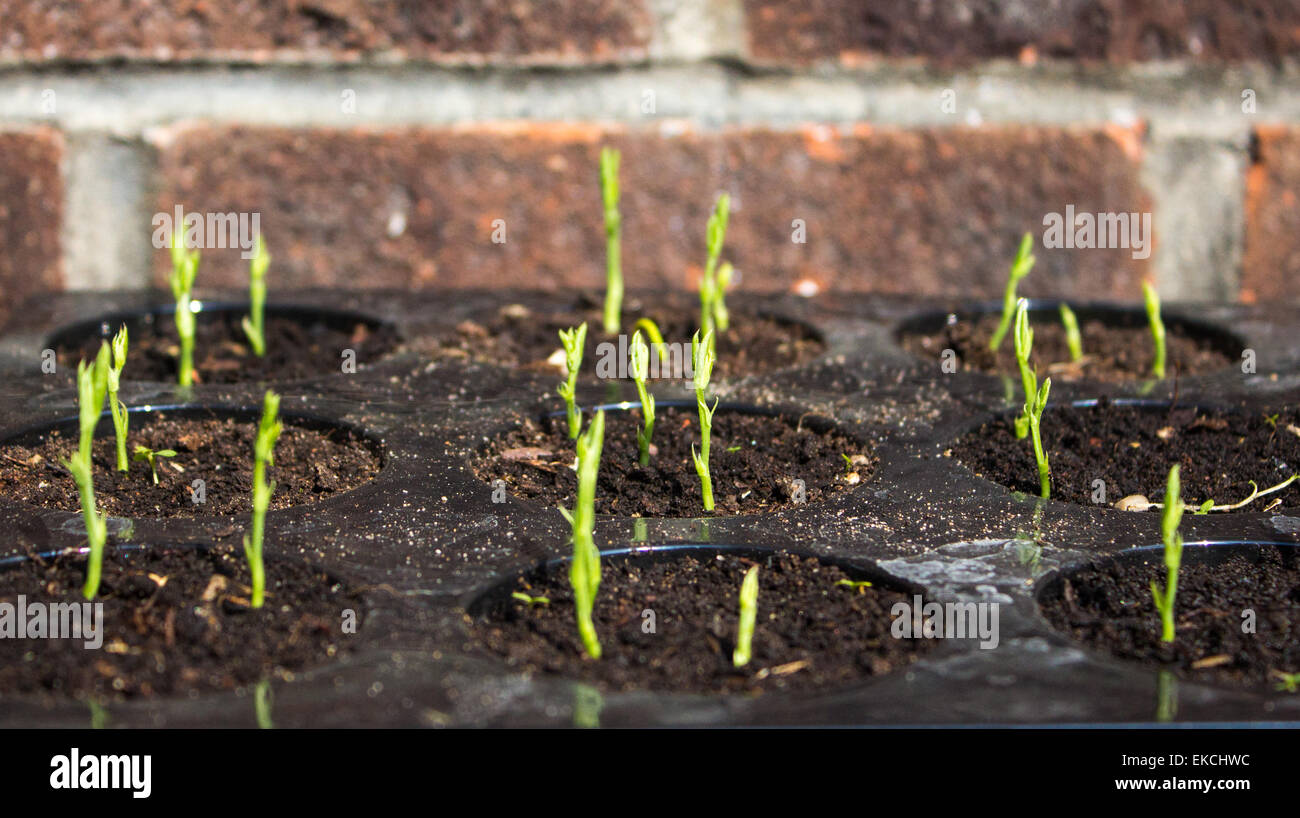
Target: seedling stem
column 1152, row 300
column 92, row 388
column 609, row 162
column 253, row 323
column 584, row 570
column 1072, row 338
column 185, row 266
column 115, row 406
column 640, row 366
column 573, row 341
column 748, row 616
column 1171, row 515
column 144, row 453
column 268, row 432
column 702, row 359
column 1019, row 269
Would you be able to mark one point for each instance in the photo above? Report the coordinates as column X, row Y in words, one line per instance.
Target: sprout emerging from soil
column 713, row 284
column 656, row 337
column 1035, row 397
column 748, row 616
column 573, row 341
column 702, row 360
column 254, row 323
column 584, row 570
column 1169, row 519
column 1072, row 337
column 115, row 406
column 1157, row 328
column 1019, row 269
column 268, row 432
column 609, row 161
column 92, row 387
column 144, row 453
column 185, row 267
column 640, row 367
column 530, row 600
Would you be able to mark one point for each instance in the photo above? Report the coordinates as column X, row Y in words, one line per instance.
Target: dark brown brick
column 926, row 211
column 1271, row 263
column 963, row 31
column 31, row 210
column 259, row 30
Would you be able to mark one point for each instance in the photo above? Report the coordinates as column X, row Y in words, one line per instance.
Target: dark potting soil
column 517, row 335
column 174, row 621
column 1109, row 606
column 810, row 632
column 1110, row 353
column 310, row 465
column 295, row 349
column 754, row 461
column 1132, row 449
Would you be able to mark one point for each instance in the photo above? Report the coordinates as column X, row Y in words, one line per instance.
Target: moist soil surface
column 517, row 335
column 753, row 459
column 295, row 349
column 309, row 465
column 1111, row 354
column 1109, row 606
column 810, row 632
column 1132, row 448
column 174, row 621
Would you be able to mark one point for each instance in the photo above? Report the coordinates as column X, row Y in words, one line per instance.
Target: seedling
column 748, row 615
column 609, row 161
column 1137, row 502
column 584, row 570
column 640, row 366
column 120, row 417
column 1072, row 337
column 185, row 266
column 1169, row 519
column 656, row 337
column 1019, row 269
column 530, row 600
column 92, row 387
column 1035, row 397
column 1287, row 682
column 1157, row 328
column 144, row 453
column 860, row 586
column 713, row 285
column 254, row 323
column 720, row 314
column 702, row 359
column 573, row 341
column 268, row 432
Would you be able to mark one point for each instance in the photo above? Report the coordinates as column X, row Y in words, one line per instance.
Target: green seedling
column 530, row 600
column 1287, row 682
column 1157, row 328
column 92, row 388
column 254, row 323
column 115, row 406
column 584, row 570
column 1024, row 342
column 268, row 432
column 748, row 616
column 712, row 285
column 860, row 586
column 609, row 161
column 1169, row 519
column 702, row 360
column 1019, row 269
column 1072, row 337
column 185, row 267
column 573, row 341
column 723, row 281
column 146, row 454
column 1034, row 411
column 640, row 367
column 1141, row 504
column 656, row 337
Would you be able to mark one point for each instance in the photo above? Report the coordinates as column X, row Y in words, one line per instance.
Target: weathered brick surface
column 963, row 31
column 256, row 30
column 31, row 210
column 923, row 211
column 1271, row 263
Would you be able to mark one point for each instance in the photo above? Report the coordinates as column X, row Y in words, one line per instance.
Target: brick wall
column 909, row 144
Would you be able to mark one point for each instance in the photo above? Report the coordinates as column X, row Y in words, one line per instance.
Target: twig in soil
column 1152, row 300
column 185, row 267
column 1169, row 519
column 573, row 341
column 584, row 569
column 609, row 162
column 748, row 616
column 92, row 388
column 702, row 357
column 254, row 323
column 1019, row 269
column 640, row 366
column 268, row 432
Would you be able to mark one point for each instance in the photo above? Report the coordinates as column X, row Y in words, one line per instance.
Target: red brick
column 31, row 210
column 260, row 30
column 1271, row 263
column 931, row 211
column 963, row 31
